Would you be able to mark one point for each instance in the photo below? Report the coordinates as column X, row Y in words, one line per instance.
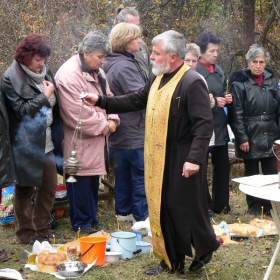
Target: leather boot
column 177, row 267
column 162, row 267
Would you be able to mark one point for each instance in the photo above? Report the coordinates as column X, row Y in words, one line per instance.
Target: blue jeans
column 83, row 201
column 130, row 196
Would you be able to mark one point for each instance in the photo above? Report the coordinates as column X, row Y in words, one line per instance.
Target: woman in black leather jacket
column 31, row 101
column 255, row 119
column 7, row 169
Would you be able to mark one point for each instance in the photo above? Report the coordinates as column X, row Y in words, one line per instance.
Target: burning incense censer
column 72, row 165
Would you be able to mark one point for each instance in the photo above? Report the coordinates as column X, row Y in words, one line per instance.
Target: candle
column 53, row 239
column 262, row 213
column 78, row 232
column 227, row 87
column 118, row 223
column 239, row 222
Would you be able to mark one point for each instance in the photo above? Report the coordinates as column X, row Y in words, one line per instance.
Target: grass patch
column 246, row 261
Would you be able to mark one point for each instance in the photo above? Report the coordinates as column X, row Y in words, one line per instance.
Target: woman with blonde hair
column 125, row 76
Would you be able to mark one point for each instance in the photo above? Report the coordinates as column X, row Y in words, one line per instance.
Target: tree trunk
column 248, row 25
column 268, row 23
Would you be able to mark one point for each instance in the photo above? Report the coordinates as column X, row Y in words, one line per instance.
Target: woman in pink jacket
column 82, row 72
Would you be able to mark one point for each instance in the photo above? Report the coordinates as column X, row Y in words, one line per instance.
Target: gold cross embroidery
column 158, row 144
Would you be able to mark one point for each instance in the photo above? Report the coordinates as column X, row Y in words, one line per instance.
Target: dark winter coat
column 124, row 76
column 7, row 169
column 216, row 83
column 25, row 106
column 255, row 114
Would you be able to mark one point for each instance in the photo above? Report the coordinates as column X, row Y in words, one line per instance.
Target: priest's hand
column 90, row 99
column 190, row 169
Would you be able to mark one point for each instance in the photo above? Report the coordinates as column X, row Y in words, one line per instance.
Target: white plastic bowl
column 111, row 257
column 144, row 246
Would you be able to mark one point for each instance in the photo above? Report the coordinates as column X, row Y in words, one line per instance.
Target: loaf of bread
column 268, row 227
column 243, row 229
column 47, row 260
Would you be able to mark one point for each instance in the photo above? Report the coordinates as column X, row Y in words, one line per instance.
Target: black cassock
column 184, row 209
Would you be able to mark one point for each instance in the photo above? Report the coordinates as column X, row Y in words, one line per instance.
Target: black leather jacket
column 24, row 103
column 255, row 114
column 7, row 169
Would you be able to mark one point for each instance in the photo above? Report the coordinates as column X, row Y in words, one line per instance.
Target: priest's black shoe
column 177, row 267
column 199, row 263
column 157, row 270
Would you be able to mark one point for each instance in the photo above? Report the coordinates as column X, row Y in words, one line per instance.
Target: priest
column 179, row 126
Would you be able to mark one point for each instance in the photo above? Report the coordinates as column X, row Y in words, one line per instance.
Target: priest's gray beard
column 159, row 69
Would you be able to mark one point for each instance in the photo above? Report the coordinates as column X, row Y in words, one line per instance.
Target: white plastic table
column 271, row 193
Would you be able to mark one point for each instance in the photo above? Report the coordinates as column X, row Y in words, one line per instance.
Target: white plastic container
column 144, row 246
column 111, row 257
column 124, row 242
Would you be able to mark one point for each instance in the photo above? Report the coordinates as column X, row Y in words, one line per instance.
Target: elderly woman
column 191, row 59
column 255, row 119
column 192, row 55
column 82, row 72
column 125, row 76
column 36, row 136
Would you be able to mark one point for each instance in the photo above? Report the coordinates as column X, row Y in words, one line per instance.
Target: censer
column 72, row 165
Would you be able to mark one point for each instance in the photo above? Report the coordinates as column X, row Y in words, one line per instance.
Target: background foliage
column 64, row 23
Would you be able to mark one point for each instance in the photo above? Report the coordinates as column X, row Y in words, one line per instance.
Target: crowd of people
column 158, row 115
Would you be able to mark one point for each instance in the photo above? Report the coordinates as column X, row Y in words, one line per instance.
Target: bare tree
column 248, row 25
column 268, row 23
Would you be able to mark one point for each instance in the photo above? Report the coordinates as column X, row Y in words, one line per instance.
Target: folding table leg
column 275, row 216
column 272, row 261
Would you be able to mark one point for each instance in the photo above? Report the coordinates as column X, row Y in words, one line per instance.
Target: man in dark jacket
column 131, row 15
column 216, row 81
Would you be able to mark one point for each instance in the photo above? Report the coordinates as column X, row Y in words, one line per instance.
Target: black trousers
column 268, row 166
column 220, row 182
